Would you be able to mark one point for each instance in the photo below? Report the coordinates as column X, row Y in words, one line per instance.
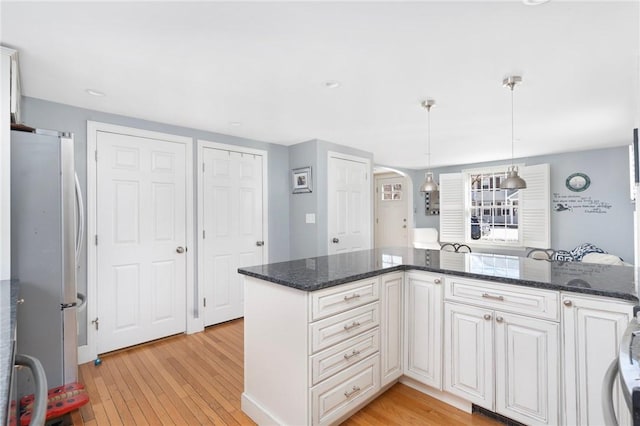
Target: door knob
column 259, row 243
column 180, row 250
column 335, row 241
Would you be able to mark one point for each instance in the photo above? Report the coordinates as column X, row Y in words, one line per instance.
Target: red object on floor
column 61, row 400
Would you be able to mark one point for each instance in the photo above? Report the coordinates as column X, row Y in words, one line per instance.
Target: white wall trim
column 367, row 162
column 89, row 351
column 201, row 145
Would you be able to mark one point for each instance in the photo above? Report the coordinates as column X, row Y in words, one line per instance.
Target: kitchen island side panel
column 275, row 353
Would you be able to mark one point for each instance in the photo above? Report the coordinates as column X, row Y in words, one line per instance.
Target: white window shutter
column 535, row 207
column 452, row 196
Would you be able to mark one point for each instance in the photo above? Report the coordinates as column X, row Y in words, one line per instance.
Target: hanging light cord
column 511, row 85
column 428, row 137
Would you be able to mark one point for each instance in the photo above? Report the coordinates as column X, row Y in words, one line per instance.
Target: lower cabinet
column 592, row 329
column 423, row 328
column 391, row 321
column 504, row 362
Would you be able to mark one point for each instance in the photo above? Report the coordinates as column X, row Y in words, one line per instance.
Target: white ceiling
column 207, row 64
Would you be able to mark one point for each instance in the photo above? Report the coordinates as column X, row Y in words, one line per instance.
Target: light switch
column 310, row 218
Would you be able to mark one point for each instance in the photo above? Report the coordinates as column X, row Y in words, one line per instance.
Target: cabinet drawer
column 343, row 297
column 340, row 356
column 505, row 297
column 337, row 328
column 345, row 391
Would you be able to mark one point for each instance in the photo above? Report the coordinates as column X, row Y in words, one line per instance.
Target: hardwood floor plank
column 198, row 379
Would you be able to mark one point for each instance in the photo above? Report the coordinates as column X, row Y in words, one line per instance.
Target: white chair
column 425, row 238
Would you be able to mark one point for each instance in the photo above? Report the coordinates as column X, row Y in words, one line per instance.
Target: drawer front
column 338, row 328
column 343, row 355
column 345, row 392
column 341, row 298
column 509, row 298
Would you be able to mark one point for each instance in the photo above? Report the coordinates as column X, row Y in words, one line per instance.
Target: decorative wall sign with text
column 579, row 203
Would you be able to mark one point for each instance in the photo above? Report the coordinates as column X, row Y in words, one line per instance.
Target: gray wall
column 49, row 115
column 609, row 173
column 309, row 240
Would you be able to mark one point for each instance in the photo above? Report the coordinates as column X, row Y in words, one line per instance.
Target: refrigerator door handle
column 80, row 220
column 83, row 301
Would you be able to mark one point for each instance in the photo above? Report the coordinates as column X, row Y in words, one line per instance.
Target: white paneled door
column 391, row 227
column 141, row 236
column 349, row 204
column 232, row 228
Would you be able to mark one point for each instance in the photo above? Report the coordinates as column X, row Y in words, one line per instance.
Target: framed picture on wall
column 301, row 180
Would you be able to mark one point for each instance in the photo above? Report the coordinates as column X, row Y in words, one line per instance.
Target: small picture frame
column 301, row 180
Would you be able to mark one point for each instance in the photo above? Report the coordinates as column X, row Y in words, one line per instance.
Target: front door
column 141, row 236
column 349, row 205
column 391, row 212
column 232, row 234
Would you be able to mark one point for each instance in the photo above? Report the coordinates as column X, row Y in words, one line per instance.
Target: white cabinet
column 423, row 328
column 500, row 360
column 391, row 301
column 592, row 329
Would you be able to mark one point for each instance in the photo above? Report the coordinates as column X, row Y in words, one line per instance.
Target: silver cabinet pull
column 354, row 390
column 180, row 250
column 499, row 319
column 353, row 296
column 491, row 296
column 567, row 303
column 335, row 241
column 353, row 325
column 437, row 281
column 353, row 353
column 487, row 317
column 259, row 243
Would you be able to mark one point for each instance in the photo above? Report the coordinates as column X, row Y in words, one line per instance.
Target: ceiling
column 258, row 70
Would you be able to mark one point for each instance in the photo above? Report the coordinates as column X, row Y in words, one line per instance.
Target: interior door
column 232, row 233
column 391, row 212
column 141, row 235
column 349, row 205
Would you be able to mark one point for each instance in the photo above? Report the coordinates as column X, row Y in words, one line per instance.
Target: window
column 474, row 210
column 492, row 211
column 391, row 192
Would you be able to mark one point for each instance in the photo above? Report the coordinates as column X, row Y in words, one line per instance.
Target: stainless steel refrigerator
column 44, row 248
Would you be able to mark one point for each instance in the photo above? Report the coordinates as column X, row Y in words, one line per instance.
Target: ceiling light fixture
column 93, row 92
column 332, row 84
column 513, row 181
column 534, row 2
column 429, row 185
column 235, row 123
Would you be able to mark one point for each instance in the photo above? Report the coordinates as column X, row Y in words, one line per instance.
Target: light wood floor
column 197, row 379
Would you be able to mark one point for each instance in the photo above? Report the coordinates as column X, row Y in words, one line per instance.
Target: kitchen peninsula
column 325, row 335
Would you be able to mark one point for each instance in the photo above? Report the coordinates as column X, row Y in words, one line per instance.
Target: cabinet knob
column 567, row 303
column 499, row 319
column 437, row 281
column 487, row 317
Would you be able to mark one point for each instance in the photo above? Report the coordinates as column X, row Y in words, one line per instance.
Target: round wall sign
column 577, row 182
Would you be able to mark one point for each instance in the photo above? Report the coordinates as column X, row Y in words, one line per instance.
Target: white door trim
column 89, row 351
column 202, row 144
column 367, row 162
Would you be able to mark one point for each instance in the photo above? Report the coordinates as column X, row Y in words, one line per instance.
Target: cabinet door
column 592, row 330
column 468, row 353
column 423, row 330
column 391, row 327
column 527, row 369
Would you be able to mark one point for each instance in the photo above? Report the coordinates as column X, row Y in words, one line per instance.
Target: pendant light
column 513, row 181
column 429, row 185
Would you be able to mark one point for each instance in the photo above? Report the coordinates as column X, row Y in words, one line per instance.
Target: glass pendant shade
column 513, row 181
column 429, row 185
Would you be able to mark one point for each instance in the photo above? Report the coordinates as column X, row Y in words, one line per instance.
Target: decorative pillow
column 583, row 249
column 563, row 256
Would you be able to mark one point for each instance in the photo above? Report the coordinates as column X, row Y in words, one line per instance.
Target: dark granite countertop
column 325, row 271
column 8, row 305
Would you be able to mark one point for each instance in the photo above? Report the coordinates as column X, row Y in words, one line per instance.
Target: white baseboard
column 256, row 412
column 447, row 398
